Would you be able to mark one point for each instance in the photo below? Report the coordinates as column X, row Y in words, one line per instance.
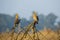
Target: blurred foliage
column 7, row 21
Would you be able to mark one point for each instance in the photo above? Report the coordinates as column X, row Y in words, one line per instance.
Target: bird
column 35, row 17
column 17, row 20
